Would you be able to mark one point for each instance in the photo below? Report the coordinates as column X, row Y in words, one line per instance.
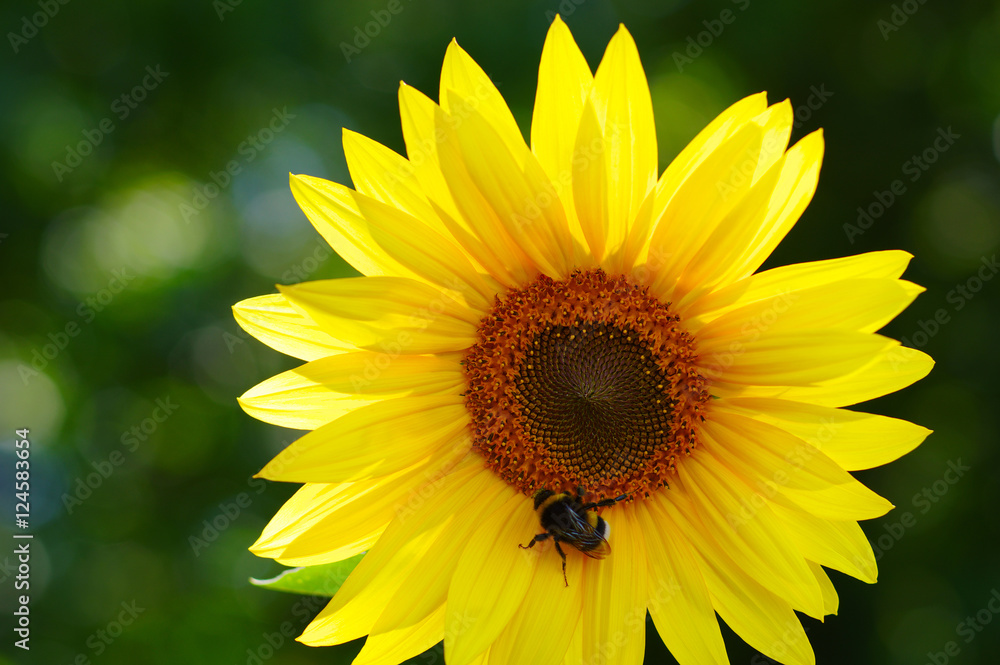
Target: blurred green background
column 121, row 257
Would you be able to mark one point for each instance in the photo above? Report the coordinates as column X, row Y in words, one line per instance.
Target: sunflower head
column 552, row 339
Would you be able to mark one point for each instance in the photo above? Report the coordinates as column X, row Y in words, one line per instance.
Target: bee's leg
column 537, row 539
column 563, row 555
column 603, row 503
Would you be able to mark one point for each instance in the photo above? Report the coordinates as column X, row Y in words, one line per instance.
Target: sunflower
column 558, row 318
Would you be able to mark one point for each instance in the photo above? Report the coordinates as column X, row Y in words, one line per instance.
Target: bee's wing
column 583, row 536
column 599, row 548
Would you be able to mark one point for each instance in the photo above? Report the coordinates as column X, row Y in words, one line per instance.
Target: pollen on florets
column 584, row 382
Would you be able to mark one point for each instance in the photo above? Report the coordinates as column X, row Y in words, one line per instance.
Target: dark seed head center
column 585, row 382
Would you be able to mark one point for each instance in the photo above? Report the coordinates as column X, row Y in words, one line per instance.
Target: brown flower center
column 589, row 382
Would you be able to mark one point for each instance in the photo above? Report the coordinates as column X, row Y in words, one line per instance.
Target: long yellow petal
column 272, row 320
column 540, row 631
column 625, row 111
column 852, row 439
column 476, row 598
column 687, row 161
column 480, row 216
column 321, row 391
column 864, row 305
column 412, row 534
column 764, row 619
column 322, row 523
column 470, row 88
column 519, row 192
column 564, row 81
column 831, row 601
column 403, row 629
column 614, row 614
column 405, row 239
column 375, row 440
column 385, row 176
column 678, row 598
column 743, row 524
column 591, row 182
column 788, row 359
column 700, row 205
column 890, row 370
column 888, row 264
column 338, row 220
column 420, row 117
column 392, row 315
column 840, row 545
column 774, row 461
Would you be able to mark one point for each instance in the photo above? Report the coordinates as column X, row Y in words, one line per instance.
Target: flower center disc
column 589, row 382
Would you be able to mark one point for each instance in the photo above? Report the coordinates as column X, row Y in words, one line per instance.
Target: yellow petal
column 788, row 359
column 853, row 440
column 700, row 204
column 564, row 81
column 520, row 194
column 614, row 614
column 398, row 646
column 323, row 523
column 470, row 89
column 744, row 525
column 385, row 176
column 591, row 184
column 481, row 217
column 414, row 620
column 332, row 211
column 541, row 629
column 321, row 391
column 625, row 111
column 764, row 619
column 387, row 314
column 404, row 238
column 574, row 654
column 763, row 217
column 888, row 264
column 890, row 370
column 678, row 171
column 774, row 461
column 777, row 122
column 795, row 188
column 272, row 320
column 375, row 440
column 840, row 545
column 678, row 598
column 864, row 305
column 831, row 601
column 476, row 599
column 364, row 595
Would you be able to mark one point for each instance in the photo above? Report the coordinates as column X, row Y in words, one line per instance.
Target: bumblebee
column 567, row 519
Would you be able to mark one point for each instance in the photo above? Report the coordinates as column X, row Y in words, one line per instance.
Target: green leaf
column 323, row 580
